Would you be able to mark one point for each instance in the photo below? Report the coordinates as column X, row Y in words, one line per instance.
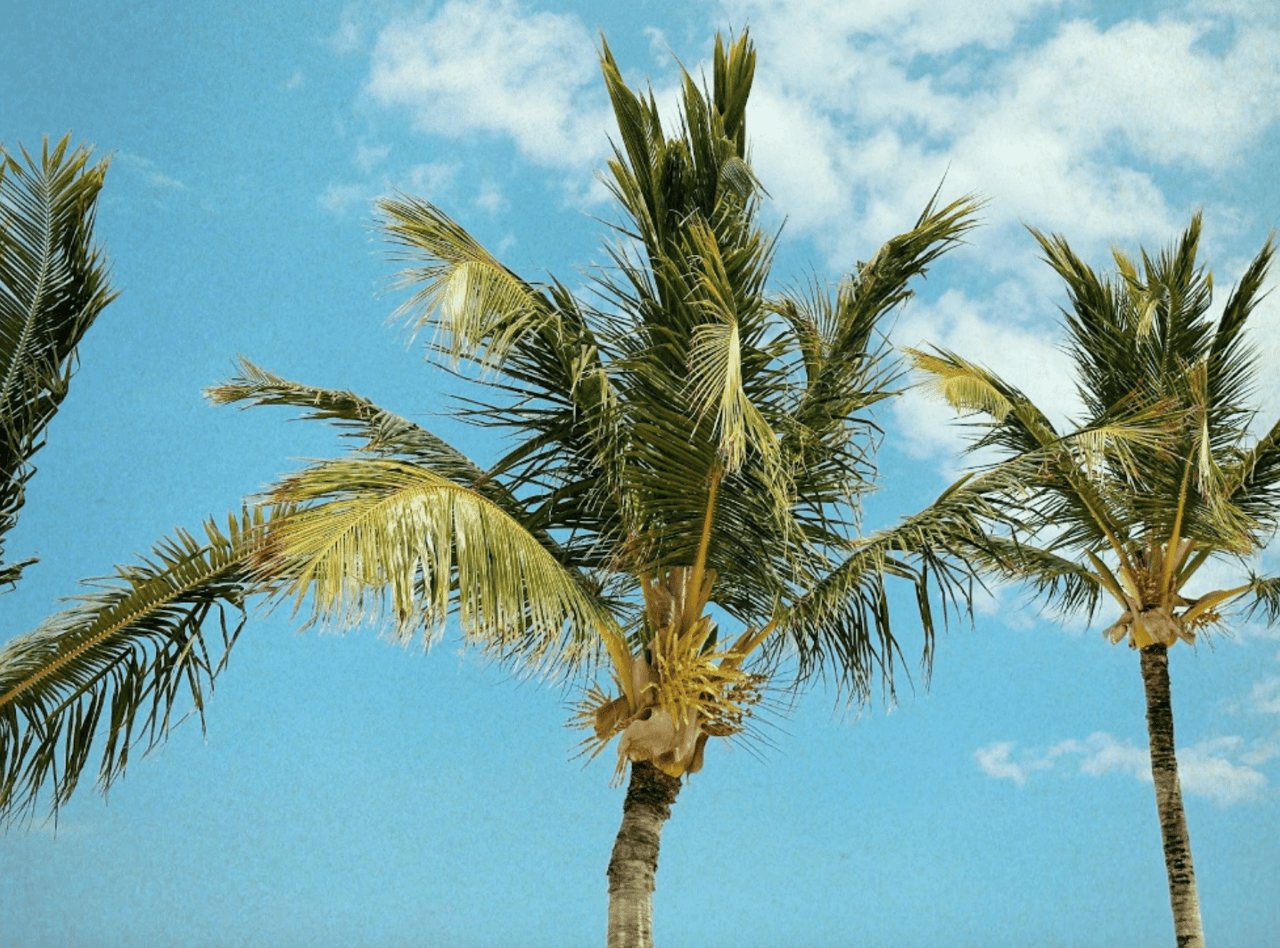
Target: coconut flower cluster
column 678, row 689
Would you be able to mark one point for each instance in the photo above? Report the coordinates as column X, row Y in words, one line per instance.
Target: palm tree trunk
column 1173, row 822
column 634, row 863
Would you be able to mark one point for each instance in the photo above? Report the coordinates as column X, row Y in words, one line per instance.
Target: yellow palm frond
column 960, row 384
column 479, row 307
column 715, row 365
column 369, row 538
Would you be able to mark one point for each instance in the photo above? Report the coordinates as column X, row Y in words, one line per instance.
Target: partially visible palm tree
column 1155, row 479
column 53, row 284
column 681, row 440
column 130, row 646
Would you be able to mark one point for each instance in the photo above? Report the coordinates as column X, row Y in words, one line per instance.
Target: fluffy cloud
column 1060, row 123
column 1223, row 769
column 489, row 66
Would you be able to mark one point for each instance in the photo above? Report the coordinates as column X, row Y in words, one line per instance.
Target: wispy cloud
column 1222, row 769
column 342, row 198
column 349, row 35
column 1266, row 696
column 156, row 181
column 429, row 180
column 490, row 199
column 1066, row 118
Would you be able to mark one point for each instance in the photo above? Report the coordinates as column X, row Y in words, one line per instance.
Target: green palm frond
column 842, row 620
column 382, row 431
column 53, row 285
column 122, row 657
column 372, row 538
column 1266, row 597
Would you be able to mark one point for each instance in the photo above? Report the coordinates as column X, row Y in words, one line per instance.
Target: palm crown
column 1157, row 476
column 682, row 439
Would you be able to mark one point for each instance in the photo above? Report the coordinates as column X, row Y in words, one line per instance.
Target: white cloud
column 1101, row 754
column 860, row 106
column 1150, row 84
column 994, row 760
column 1222, row 769
column 998, row 331
column 296, row 81
column 1206, row 770
column 489, row 66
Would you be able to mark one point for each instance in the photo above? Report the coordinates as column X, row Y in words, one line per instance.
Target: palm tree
column 129, row 645
column 53, row 285
column 683, row 440
column 1156, row 478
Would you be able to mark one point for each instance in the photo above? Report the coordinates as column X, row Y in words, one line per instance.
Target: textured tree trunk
column 635, row 856
column 1173, row 822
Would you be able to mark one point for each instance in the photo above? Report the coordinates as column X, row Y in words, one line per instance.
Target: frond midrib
column 143, row 609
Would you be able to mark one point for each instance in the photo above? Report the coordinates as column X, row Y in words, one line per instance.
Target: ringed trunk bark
column 1173, row 822
column 634, row 863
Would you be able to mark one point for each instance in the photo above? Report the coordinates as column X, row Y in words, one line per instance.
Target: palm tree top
column 682, row 373
column 1158, row 473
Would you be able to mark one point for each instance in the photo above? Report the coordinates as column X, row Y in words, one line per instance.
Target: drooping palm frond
column 388, row 435
column 53, row 284
column 842, row 623
column 375, row 538
column 114, row 666
column 383, row 432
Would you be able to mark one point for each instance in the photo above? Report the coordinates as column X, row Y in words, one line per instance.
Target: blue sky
column 351, row 793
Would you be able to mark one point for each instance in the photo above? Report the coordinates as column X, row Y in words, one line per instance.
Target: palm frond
column 964, row 386
column 113, row 667
column 53, row 285
column 382, row 431
column 1266, row 597
column 480, row 307
column 375, row 538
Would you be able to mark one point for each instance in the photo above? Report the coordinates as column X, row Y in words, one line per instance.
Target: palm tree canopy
column 132, row 644
column 682, row 417
column 1158, row 474
column 53, row 284
column 681, row 438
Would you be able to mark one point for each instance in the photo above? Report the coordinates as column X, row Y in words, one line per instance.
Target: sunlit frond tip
column 959, row 383
column 478, row 307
